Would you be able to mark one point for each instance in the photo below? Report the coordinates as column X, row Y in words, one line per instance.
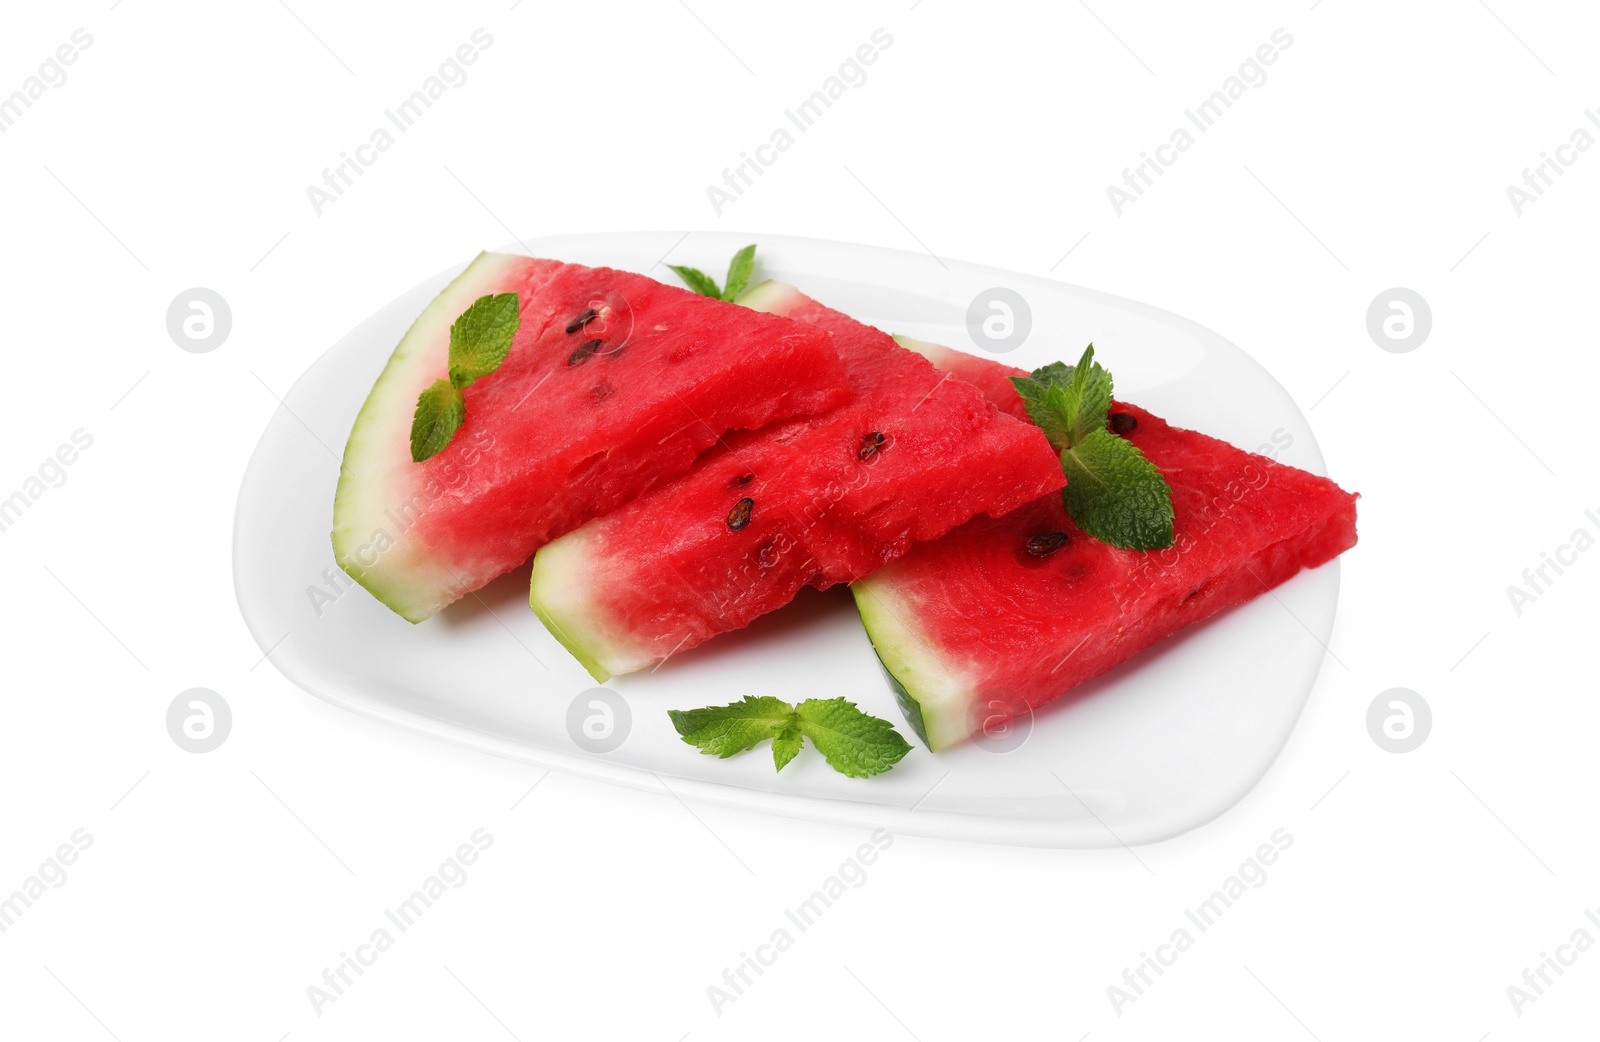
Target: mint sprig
column 480, row 339
column 1113, row 492
column 854, row 743
column 739, row 272
column 440, row 412
column 1117, row 495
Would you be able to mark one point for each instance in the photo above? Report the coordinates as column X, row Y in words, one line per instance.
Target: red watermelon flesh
column 818, row 501
column 614, row 384
column 974, row 629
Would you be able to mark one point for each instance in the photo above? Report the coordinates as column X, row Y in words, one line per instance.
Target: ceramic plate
column 1160, row 745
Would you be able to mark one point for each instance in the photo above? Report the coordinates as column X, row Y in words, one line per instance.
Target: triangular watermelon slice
column 1004, row 615
column 614, row 383
column 816, row 502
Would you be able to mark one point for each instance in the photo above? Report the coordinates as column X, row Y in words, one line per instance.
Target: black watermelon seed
column 1123, row 422
column 742, row 479
column 1046, row 543
column 583, row 352
column 870, row 443
column 739, row 516
column 581, row 321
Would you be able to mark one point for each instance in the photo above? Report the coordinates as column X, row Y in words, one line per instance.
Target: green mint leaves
column 440, row 410
column 852, row 742
column 1113, row 492
column 725, row 730
column 739, row 271
column 785, row 745
column 480, row 339
column 698, row 281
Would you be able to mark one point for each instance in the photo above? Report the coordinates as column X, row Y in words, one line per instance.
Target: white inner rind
column 943, row 693
column 772, row 298
column 938, row 354
column 562, row 594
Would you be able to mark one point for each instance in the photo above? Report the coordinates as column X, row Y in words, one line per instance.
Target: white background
column 1376, row 154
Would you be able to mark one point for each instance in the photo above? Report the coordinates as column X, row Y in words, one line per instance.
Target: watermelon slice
column 1004, row 615
column 815, row 502
column 613, row 384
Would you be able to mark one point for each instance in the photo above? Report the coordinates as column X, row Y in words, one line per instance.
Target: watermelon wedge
column 1004, row 615
column 614, row 383
column 816, row 501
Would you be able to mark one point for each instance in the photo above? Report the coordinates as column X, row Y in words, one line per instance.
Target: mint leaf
column 852, row 742
column 1089, row 394
column 481, row 338
column 1054, row 373
column 698, row 281
column 725, row 730
column 1047, row 407
column 1115, row 494
column 440, row 410
column 739, row 269
column 786, row 746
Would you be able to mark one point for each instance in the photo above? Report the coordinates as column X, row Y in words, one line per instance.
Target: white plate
column 1157, row 747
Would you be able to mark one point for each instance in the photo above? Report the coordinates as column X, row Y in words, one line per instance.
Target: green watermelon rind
column 552, row 593
column 932, row 695
column 910, row 708
column 559, row 594
column 593, row 668
column 363, row 496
